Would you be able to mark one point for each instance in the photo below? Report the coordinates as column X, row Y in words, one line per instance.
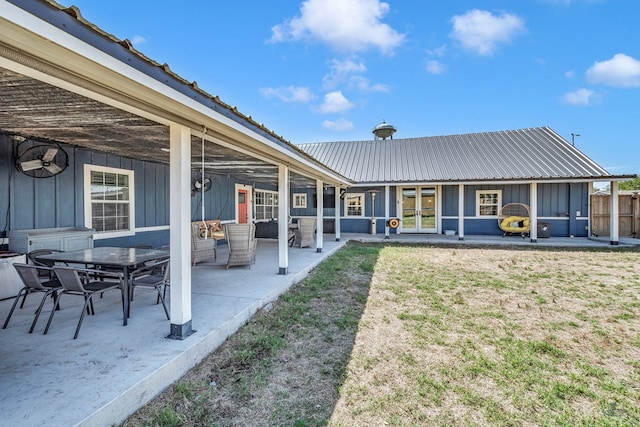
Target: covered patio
column 68, row 82
column 111, row 370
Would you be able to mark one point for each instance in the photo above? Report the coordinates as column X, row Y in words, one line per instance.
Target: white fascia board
column 67, row 41
column 484, row 182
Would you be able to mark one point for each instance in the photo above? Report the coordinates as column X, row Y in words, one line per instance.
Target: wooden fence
column 628, row 214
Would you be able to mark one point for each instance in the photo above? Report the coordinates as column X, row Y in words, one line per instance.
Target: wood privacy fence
column 628, row 214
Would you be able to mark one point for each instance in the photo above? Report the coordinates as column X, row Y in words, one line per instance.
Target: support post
column 319, row 215
column 460, row 211
column 386, row 211
column 533, row 213
column 337, row 213
column 283, row 219
column 614, row 236
column 180, row 231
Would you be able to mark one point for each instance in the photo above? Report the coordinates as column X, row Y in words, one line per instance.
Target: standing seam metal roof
column 522, row 154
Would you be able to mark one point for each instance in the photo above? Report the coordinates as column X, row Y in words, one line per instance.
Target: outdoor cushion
column 515, row 224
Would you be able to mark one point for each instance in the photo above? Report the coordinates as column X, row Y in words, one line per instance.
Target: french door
column 419, row 210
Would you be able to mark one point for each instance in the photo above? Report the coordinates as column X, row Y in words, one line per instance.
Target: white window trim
column 88, row 168
column 256, row 204
column 499, row 204
column 346, row 206
column 299, row 201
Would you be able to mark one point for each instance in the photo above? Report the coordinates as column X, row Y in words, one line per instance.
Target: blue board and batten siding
column 27, row 203
column 558, row 206
column 58, row 201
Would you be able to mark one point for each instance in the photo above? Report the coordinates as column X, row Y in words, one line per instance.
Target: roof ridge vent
column 384, row 131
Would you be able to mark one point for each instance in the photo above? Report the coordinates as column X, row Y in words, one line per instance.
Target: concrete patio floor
column 110, row 370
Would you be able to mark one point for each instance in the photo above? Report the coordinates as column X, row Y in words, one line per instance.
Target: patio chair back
column 305, row 233
column 85, row 283
column 31, row 279
column 202, row 249
column 155, row 276
column 241, row 239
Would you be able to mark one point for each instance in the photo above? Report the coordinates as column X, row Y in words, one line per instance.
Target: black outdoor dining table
column 125, row 258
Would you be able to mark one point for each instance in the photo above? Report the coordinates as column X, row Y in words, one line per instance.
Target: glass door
column 409, row 211
column 419, row 210
column 427, row 210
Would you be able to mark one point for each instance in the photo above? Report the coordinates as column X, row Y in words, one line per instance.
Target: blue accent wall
column 558, row 205
column 58, row 201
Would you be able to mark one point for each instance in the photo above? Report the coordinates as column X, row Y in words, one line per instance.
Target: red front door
column 242, row 207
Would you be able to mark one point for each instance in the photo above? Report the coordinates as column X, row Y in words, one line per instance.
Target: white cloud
column 344, row 25
column 137, row 40
column 335, row 102
column 482, row 32
column 439, row 51
column 348, row 72
column 338, row 125
column 571, row 74
column 363, row 84
column 436, row 67
column 288, row 94
column 339, row 72
column 619, row 71
column 580, row 97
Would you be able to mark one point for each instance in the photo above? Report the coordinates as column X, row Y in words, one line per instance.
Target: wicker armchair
column 203, row 246
column 242, row 242
column 305, row 233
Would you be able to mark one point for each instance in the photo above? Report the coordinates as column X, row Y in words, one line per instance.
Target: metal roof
column 520, row 155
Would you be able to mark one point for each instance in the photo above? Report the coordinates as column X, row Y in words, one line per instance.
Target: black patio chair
column 33, row 258
column 33, row 282
column 85, row 283
column 154, row 275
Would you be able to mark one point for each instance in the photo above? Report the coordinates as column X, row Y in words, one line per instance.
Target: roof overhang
column 506, row 181
column 71, row 83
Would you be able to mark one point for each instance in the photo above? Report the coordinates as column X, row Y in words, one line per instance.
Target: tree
column 632, row 184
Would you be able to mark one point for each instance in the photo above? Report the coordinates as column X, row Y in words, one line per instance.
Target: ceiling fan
column 42, row 161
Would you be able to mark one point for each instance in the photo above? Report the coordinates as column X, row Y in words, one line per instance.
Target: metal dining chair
column 154, row 276
column 85, row 283
column 34, row 281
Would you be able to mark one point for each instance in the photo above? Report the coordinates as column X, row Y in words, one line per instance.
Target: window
column 488, row 202
column 109, row 200
column 354, row 204
column 266, row 204
column 299, row 200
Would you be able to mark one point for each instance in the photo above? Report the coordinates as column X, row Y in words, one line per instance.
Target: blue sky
column 329, row 70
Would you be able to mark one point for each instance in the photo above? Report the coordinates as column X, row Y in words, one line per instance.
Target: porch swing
column 204, row 233
column 514, row 218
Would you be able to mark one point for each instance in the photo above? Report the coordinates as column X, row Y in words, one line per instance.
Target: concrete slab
column 111, row 370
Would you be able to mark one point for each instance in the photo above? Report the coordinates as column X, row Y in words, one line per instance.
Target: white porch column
column 386, row 211
column 590, row 191
column 460, row 211
column 319, row 215
column 337, row 214
column 614, row 230
column 283, row 219
column 180, row 231
column 533, row 213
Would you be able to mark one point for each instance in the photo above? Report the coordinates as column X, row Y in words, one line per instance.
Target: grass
column 409, row 335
